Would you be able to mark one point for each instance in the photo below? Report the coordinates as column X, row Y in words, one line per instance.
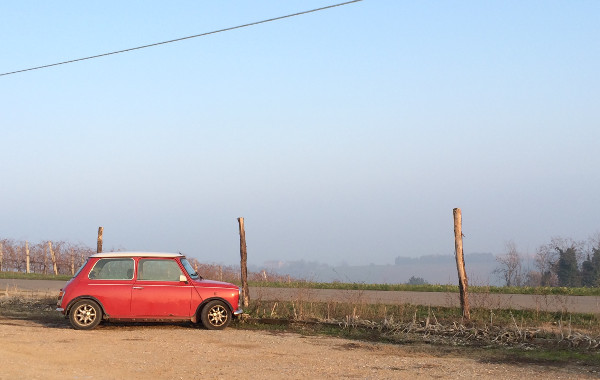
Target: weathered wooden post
column 53, row 257
column 72, row 262
column 45, row 261
column 460, row 264
column 99, row 244
column 27, row 261
column 1, row 256
column 244, row 263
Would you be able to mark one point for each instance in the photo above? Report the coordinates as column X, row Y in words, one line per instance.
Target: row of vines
column 48, row 257
column 64, row 258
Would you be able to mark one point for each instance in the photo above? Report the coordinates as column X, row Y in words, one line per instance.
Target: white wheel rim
column 85, row 315
column 217, row 316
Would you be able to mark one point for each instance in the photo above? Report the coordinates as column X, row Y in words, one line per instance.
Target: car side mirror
column 182, row 278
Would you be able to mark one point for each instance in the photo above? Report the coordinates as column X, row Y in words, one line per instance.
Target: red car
column 146, row 286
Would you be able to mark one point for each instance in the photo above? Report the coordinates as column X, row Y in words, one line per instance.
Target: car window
column 158, row 270
column 80, row 268
column 188, row 268
column 112, row 269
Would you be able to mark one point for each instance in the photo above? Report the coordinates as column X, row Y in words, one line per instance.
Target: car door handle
column 138, row 287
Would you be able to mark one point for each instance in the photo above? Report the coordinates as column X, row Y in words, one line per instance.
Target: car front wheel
column 85, row 315
column 215, row 315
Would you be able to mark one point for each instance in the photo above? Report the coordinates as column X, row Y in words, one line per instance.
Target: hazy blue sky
column 344, row 135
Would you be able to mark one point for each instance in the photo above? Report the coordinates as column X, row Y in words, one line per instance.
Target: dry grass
column 489, row 324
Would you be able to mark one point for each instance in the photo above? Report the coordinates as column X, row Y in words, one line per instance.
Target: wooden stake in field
column 460, row 264
column 244, row 264
column 99, row 244
column 45, row 261
column 27, row 268
column 1, row 256
column 53, row 257
column 72, row 262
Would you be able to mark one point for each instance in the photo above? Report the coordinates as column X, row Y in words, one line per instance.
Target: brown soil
column 37, row 349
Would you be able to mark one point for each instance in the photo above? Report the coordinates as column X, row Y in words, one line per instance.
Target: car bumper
column 238, row 312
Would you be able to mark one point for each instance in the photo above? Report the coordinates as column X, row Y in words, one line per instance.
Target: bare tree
column 548, row 255
column 593, row 264
column 510, row 265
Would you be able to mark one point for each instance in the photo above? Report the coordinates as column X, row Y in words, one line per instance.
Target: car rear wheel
column 85, row 315
column 215, row 315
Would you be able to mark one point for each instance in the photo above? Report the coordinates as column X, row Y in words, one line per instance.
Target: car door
column 158, row 292
column 110, row 282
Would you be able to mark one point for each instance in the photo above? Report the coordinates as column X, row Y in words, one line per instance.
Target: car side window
column 112, row 269
column 158, row 270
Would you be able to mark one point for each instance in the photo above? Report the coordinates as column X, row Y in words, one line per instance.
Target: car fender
column 84, row 297
column 195, row 317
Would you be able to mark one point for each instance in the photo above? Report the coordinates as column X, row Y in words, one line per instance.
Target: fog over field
column 433, row 269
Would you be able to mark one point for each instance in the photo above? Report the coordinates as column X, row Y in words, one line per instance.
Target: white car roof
column 137, row 254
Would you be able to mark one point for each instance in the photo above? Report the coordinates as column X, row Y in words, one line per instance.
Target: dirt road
column 572, row 304
column 32, row 350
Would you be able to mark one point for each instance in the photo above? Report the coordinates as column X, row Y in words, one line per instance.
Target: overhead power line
column 182, row 38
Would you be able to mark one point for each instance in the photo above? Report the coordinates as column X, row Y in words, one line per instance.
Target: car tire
column 215, row 315
column 85, row 315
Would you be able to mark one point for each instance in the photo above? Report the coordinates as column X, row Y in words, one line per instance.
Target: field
column 290, row 339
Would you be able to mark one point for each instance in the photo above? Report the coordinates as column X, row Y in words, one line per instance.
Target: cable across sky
column 182, row 38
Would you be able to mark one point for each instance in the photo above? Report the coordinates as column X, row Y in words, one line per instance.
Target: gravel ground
column 34, row 350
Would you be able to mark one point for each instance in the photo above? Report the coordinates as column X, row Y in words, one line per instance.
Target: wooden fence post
column 45, row 261
column 72, row 262
column 244, row 263
column 53, row 257
column 1, row 256
column 460, row 264
column 99, row 244
column 27, row 261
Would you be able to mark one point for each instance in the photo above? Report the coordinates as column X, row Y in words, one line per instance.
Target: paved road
column 9, row 285
column 573, row 304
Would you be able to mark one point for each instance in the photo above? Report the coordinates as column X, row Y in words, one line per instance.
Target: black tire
column 85, row 315
column 215, row 315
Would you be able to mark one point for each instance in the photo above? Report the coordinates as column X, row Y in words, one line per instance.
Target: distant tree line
column 416, row 281
column 561, row 262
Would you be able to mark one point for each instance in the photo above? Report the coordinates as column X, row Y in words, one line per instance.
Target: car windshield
column 188, row 268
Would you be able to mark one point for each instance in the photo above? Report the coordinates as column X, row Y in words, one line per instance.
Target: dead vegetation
column 432, row 331
column 519, row 329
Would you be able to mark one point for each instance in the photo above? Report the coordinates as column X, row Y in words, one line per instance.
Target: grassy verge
column 30, row 306
column 380, row 313
column 433, row 288
column 34, row 276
